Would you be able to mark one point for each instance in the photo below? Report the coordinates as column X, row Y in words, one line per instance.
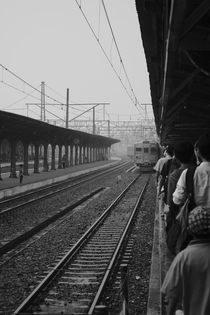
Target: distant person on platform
column 0, row 173
column 64, row 161
column 21, row 173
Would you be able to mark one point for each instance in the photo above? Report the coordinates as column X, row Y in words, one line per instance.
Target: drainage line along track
column 70, row 287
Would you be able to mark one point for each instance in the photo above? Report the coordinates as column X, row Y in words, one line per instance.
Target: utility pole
column 104, row 112
column 66, row 119
column 42, row 101
column 145, row 109
column 108, row 128
column 94, row 126
column 67, row 108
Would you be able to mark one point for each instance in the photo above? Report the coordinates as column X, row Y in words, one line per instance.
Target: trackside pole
column 124, row 289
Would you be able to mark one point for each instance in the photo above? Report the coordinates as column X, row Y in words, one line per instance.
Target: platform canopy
column 176, row 40
column 19, row 127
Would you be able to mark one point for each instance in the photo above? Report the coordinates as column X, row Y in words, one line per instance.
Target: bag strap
column 190, row 185
column 168, row 167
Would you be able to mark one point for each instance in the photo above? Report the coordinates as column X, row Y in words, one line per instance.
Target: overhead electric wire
column 118, row 51
column 13, row 87
column 19, row 78
column 50, row 112
column 59, row 94
column 104, row 52
column 64, row 104
column 83, row 113
column 34, row 88
column 31, row 110
column 21, row 99
column 99, row 18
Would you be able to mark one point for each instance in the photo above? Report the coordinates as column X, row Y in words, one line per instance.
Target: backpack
column 178, row 237
column 184, row 237
column 168, row 168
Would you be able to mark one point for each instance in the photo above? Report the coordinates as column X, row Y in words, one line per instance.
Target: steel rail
column 70, row 254
column 116, row 253
column 89, row 177
column 36, row 229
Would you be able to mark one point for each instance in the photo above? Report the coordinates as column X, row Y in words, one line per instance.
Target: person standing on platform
column 184, row 154
column 21, row 173
column 186, row 285
column 0, row 172
column 64, row 161
column 168, row 153
column 168, row 167
column 159, row 165
column 201, row 176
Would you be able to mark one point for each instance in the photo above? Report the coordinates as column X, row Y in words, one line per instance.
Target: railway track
column 13, row 203
column 76, row 282
column 12, row 241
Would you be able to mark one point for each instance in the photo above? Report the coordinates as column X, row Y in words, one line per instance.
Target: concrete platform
column 11, row 186
column 160, row 262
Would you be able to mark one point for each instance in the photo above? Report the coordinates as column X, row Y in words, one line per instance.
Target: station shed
column 67, row 147
column 176, row 40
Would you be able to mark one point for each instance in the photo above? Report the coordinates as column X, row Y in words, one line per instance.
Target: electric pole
column 42, row 101
column 67, row 108
column 94, row 126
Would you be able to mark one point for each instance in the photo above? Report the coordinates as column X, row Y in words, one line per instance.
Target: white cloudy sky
column 50, row 41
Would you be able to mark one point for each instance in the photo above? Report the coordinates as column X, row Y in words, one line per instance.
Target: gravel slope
column 21, row 274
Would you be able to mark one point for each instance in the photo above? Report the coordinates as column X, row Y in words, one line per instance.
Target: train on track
column 146, row 154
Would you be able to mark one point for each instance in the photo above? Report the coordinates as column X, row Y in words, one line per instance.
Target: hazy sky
column 50, row 41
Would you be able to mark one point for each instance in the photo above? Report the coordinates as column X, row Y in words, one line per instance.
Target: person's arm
column 163, row 174
column 157, row 177
column 171, row 188
column 157, row 170
column 180, row 193
column 161, row 184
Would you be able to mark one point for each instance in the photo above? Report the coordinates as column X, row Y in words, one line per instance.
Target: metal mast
column 42, row 101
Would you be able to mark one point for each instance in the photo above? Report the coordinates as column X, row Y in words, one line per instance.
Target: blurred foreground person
column 186, row 284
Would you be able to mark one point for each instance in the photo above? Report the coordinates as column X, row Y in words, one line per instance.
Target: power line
column 71, row 105
column 104, row 52
column 118, row 51
column 36, row 104
column 34, row 88
column 19, row 78
column 13, row 87
column 96, row 104
column 21, row 99
column 53, row 90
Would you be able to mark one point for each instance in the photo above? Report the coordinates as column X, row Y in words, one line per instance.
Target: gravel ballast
column 22, row 273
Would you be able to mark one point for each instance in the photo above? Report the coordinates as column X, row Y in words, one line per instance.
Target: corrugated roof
column 176, row 40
